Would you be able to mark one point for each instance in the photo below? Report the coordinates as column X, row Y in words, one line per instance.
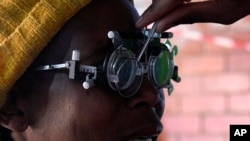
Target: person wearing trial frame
column 76, row 70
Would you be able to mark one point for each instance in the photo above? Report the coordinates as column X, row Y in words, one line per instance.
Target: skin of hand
column 171, row 13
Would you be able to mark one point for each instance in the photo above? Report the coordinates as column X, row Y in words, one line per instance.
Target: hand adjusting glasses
column 122, row 70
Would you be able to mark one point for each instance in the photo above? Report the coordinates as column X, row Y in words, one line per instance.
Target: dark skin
column 48, row 106
column 171, row 13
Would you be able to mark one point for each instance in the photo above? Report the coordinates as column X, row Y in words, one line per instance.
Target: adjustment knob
column 76, row 55
column 88, row 84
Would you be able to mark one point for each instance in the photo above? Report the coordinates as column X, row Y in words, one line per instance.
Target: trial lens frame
column 91, row 71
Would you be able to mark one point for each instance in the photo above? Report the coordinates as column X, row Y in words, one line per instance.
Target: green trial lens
column 161, row 69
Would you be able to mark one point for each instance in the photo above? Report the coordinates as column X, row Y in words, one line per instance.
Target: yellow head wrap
column 26, row 26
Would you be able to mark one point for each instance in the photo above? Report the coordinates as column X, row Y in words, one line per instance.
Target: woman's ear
column 13, row 117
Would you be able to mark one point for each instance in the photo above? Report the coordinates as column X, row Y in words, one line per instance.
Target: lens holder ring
column 136, row 84
column 152, row 72
column 112, row 66
column 130, row 78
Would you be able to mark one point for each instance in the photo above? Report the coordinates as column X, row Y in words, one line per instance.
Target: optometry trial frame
column 122, row 70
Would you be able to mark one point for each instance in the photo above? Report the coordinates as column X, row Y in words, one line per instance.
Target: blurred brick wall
column 215, row 87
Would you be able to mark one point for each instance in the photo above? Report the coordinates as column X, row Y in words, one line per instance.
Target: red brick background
column 215, row 87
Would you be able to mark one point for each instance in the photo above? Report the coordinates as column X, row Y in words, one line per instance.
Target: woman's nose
column 146, row 95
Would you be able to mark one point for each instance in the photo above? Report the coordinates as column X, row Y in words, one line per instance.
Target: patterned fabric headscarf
column 26, row 27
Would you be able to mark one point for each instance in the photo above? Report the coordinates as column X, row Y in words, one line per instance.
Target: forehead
column 90, row 32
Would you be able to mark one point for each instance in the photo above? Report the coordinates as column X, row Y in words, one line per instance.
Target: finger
column 221, row 11
column 156, row 10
